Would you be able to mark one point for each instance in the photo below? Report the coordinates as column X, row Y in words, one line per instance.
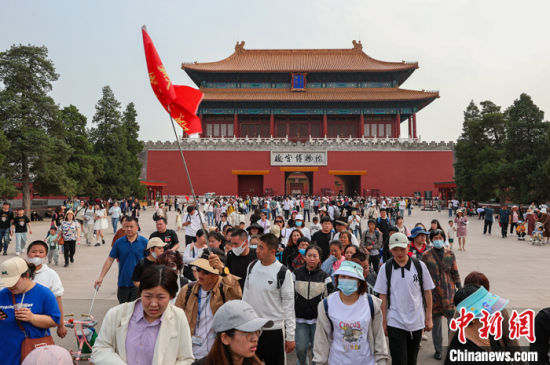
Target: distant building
column 312, row 121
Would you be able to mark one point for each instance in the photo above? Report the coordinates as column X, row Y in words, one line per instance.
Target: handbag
column 29, row 344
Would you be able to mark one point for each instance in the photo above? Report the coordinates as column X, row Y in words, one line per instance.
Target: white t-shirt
column 192, row 253
column 406, row 306
column 203, row 328
column 350, row 343
column 49, row 278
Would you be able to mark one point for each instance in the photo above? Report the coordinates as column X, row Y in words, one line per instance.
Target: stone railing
column 284, row 144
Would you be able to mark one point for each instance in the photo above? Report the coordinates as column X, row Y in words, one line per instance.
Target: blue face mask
column 438, row 243
column 302, row 251
column 298, row 224
column 253, row 246
column 347, row 286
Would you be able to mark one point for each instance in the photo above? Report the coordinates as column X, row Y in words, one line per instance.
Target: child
column 300, row 260
column 521, row 231
column 315, row 226
column 536, row 236
column 178, row 220
column 53, row 244
column 451, row 232
column 333, row 262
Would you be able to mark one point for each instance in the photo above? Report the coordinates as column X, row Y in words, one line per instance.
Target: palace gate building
column 304, row 121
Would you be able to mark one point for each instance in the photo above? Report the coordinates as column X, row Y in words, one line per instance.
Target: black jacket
column 310, row 288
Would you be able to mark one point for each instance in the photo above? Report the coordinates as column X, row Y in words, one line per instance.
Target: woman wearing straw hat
column 28, row 309
column 70, row 229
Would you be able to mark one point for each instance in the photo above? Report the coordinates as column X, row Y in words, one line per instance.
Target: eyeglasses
column 279, row 222
column 249, row 335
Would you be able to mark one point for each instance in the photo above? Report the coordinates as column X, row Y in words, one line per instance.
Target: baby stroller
column 521, row 231
column 536, row 236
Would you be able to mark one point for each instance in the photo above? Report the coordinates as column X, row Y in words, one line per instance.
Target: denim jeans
column 305, row 334
column 450, row 213
column 20, row 241
column 210, row 218
column 4, row 238
column 114, row 221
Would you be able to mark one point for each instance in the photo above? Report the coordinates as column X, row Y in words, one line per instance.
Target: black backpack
column 280, row 275
column 371, row 306
column 389, row 271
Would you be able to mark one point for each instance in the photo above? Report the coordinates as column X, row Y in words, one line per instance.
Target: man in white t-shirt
column 269, row 289
column 406, row 301
column 192, row 223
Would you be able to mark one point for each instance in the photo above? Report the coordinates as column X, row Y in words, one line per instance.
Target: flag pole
column 187, row 171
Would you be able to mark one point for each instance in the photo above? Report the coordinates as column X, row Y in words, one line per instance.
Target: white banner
column 298, row 158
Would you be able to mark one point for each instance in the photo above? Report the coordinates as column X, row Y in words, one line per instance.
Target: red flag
column 180, row 101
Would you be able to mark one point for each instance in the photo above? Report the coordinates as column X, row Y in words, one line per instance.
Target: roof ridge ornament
column 357, row 46
column 239, row 47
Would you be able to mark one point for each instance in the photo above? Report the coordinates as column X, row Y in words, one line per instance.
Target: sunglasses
column 278, row 221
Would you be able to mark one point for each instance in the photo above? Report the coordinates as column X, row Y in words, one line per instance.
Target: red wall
column 393, row 172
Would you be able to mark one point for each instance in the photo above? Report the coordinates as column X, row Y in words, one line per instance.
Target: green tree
column 526, row 150
column 7, row 187
column 134, row 147
column 27, row 113
column 83, row 165
column 115, row 138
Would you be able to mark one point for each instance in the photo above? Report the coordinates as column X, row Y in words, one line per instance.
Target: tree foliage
column 503, row 154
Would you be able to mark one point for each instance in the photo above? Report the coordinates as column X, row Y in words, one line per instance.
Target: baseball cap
column 11, row 270
column 51, row 354
column 398, row 240
column 350, row 268
column 239, row 315
column 155, row 242
column 416, row 231
column 299, row 217
column 276, row 230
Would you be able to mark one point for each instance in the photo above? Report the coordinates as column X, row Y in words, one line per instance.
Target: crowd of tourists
column 338, row 281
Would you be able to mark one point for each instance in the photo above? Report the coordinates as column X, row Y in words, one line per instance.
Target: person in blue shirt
column 36, row 312
column 129, row 250
column 504, row 219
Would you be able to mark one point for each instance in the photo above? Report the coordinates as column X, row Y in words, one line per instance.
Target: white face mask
column 37, row 261
column 154, row 255
column 238, row 250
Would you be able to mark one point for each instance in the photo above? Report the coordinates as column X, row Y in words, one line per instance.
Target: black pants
column 306, row 213
column 69, row 247
column 404, row 345
column 286, row 214
column 375, row 262
column 189, row 239
column 386, row 254
column 126, row 294
column 487, row 226
column 271, row 347
column 504, row 229
column 513, row 227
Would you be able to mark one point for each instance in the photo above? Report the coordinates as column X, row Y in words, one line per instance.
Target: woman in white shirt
column 100, row 223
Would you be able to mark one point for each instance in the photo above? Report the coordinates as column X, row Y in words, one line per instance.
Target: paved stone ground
column 515, row 268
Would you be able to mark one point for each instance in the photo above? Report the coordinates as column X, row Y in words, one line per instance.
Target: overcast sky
column 466, row 49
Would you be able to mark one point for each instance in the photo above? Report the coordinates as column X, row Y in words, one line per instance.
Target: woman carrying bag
column 28, row 311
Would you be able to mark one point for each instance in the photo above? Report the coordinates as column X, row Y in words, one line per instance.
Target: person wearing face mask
column 349, row 323
column 37, row 252
column 201, row 300
column 300, row 225
column 300, row 260
column 240, row 256
column 441, row 263
column 254, row 241
column 155, row 248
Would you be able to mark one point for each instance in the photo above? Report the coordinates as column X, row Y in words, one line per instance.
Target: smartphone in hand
column 3, row 315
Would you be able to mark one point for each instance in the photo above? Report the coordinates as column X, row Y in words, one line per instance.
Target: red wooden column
column 410, row 127
column 325, row 125
column 272, row 125
column 236, row 125
column 414, row 126
column 397, row 126
column 361, row 131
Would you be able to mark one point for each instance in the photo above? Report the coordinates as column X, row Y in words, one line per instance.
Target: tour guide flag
column 181, row 102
